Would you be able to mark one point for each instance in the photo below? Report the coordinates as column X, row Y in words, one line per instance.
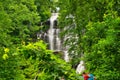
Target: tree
column 37, row 62
column 18, row 24
column 95, row 23
column 101, row 42
column 20, row 57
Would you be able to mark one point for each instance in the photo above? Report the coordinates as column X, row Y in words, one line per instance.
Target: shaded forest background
column 94, row 27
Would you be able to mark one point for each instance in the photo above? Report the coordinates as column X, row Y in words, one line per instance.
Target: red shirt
column 85, row 76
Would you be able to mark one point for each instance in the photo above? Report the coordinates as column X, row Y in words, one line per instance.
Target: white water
column 51, row 33
column 80, row 68
column 55, row 42
column 66, row 56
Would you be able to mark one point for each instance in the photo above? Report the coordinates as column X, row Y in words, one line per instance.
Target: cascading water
column 54, row 42
column 53, row 34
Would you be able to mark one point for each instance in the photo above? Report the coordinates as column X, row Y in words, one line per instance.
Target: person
column 91, row 76
column 85, row 76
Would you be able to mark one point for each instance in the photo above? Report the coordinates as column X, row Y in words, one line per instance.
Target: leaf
column 5, row 56
column 6, row 50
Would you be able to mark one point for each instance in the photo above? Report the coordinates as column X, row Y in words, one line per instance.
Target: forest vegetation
column 93, row 24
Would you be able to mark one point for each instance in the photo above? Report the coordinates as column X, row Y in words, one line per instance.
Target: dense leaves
column 90, row 29
column 21, row 57
column 95, row 35
column 104, row 47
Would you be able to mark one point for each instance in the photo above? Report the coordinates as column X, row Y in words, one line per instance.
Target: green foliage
column 19, row 21
column 43, row 8
column 9, row 65
column 103, row 46
column 92, row 27
column 34, row 61
column 96, row 26
column 38, row 62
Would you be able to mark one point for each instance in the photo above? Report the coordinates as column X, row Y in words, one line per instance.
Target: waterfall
column 51, row 36
column 66, row 56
